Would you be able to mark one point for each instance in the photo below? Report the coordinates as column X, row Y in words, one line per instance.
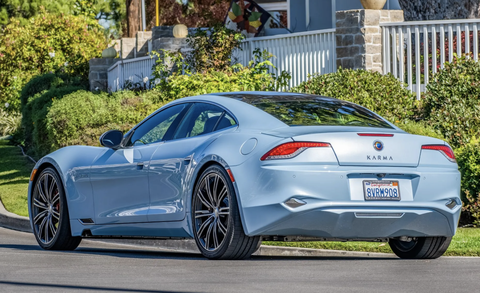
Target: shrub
column 452, row 101
column 383, row 94
column 419, row 128
column 47, row 42
column 212, row 48
column 468, row 159
column 82, row 116
column 471, row 210
column 174, row 83
column 34, row 116
column 9, row 122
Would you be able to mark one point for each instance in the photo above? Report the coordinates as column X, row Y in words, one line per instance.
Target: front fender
column 73, row 166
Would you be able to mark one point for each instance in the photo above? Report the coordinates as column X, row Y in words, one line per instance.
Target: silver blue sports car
column 233, row 169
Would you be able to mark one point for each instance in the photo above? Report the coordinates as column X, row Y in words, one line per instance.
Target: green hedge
column 452, row 101
column 419, row 128
column 81, row 117
column 383, row 94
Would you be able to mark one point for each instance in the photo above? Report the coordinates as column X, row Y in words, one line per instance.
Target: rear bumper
column 354, row 223
column 335, row 206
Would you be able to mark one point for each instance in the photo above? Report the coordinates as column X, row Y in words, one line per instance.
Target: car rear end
column 348, row 179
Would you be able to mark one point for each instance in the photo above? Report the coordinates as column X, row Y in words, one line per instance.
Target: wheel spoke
column 208, row 235
column 56, row 198
column 222, row 195
column 56, row 215
column 41, row 227
column 202, row 198
column 45, row 229
column 52, row 227
column 209, row 192
column 40, row 190
column 221, row 227
column 203, row 226
column 45, row 188
column 224, row 211
column 40, row 216
column 51, row 189
column 215, row 236
column 214, row 191
column 39, row 204
column 203, row 213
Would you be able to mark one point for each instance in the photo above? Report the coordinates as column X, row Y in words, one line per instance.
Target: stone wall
column 170, row 44
column 97, row 77
column 359, row 37
column 440, row 9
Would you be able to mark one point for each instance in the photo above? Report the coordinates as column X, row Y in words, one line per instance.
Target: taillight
column 444, row 149
column 291, row 149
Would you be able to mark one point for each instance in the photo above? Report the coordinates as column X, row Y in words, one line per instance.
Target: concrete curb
column 19, row 223
column 13, row 221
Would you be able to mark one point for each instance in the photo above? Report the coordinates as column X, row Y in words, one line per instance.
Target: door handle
column 140, row 166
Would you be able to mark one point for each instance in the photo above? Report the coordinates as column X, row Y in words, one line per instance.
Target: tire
column 217, row 226
column 49, row 213
column 420, row 247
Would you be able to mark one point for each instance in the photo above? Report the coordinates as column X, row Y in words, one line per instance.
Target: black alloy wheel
column 216, row 220
column 49, row 213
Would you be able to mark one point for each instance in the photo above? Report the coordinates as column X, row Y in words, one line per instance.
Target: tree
column 47, row 42
column 439, row 9
column 192, row 13
column 22, row 10
column 134, row 11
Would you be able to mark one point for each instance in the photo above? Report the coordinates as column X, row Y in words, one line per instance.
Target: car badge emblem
column 378, row 145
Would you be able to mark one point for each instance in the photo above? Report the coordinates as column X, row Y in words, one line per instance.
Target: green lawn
column 465, row 243
column 15, row 172
column 14, row 175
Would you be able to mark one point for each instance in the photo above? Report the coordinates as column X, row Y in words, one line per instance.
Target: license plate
column 381, row 190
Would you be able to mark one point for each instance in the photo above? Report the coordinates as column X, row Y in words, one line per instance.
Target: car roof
column 247, row 115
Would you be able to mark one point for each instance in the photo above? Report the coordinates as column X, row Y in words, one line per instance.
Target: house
column 309, row 15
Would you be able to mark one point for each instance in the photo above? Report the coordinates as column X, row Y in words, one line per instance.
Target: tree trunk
column 439, row 9
column 133, row 17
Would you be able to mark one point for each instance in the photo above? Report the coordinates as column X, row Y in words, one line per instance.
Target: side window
column 225, row 121
column 200, row 119
column 155, row 128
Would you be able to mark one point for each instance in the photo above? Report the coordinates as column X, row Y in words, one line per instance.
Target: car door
column 171, row 166
column 120, row 177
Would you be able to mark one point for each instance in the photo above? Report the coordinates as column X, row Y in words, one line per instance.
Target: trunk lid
column 401, row 149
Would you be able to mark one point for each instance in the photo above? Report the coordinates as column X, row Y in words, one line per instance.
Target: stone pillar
column 98, row 77
column 141, row 43
column 127, row 46
column 359, row 37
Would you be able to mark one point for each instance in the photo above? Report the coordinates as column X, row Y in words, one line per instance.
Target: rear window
column 313, row 110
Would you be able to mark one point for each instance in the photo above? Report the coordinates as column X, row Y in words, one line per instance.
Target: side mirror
column 111, row 139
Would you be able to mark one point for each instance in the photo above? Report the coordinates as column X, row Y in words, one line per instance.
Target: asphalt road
column 101, row 267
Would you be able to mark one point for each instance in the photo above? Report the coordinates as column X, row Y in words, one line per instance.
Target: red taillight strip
column 291, row 149
column 376, row 134
column 444, row 149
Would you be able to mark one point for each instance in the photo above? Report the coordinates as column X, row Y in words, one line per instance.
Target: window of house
column 278, row 9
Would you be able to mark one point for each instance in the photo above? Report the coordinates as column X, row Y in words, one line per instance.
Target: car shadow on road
column 76, row 287
column 146, row 253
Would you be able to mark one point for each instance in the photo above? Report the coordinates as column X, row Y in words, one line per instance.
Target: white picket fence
column 414, row 50
column 130, row 70
column 300, row 54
